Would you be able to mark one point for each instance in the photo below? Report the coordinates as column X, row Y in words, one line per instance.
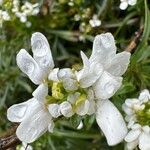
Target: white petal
column 70, row 84
column 144, row 95
column 34, row 125
column 66, row 109
column 54, row 110
column 80, row 126
column 119, row 64
column 146, row 129
column 132, row 145
column 127, row 109
column 111, row 122
column 90, row 72
column 29, row 66
column 73, row 97
column 136, row 126
column 65, row 73
column 41, row 92
column 123, row 5
column 144, row 141
column 51, row 126
column 53, row 75
column 103, row 48
column 107, row 86
column 132, row 135
column 18, row 112
column 83, row 108
column 132, row 2
column 131, row 102
column 92, row 103
column 41, row 51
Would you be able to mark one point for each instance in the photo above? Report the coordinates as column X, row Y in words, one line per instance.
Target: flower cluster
column 22, row 12
column 65, row 92
column 9, row 10
column 124, row 3
column 138, row 118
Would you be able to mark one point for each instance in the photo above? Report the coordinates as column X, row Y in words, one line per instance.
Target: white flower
column 4, row 16
column 137, row 115
column 95, row 22
column 67, row 92
column 124, row 3
column 22, row 12
column 33, row 114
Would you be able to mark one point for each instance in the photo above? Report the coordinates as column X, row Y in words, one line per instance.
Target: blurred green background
column 67, row 34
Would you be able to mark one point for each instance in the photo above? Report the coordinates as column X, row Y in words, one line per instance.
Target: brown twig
column 9, row 140
column 134, row 42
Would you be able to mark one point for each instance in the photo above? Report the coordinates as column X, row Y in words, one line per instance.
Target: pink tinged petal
column 144, row 96
column 66, row 109
column 34, row 125
column 41, row 51
column 29, row 66
column 90, row 73
column 53, row 75
column 132, row 145
column 41, row 92
column 107, row 85
column 83, row 108
column 144, row 141
column 18, row 112
column 119, row 64
column 103, row 48
column 111, row 122
column 54, row 110
column 132, row 135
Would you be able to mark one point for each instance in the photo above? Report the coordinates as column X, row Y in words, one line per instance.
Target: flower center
column 143, row 116
column 57, row 94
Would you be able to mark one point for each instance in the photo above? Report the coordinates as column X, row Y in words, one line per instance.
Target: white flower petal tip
column 90, row 73
column 65, row 73
column 132, row 135
column 66, row 109
column 132, row 145
column 111, row 122
column 41, row 51
column 53, row 75
column 29, row 66
column 80, row 126
column 107, row 86
column 41, row 92
column 119, row 64
column 144, row 95
column 28, row 131
column 54, row 110
column 18, row 112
